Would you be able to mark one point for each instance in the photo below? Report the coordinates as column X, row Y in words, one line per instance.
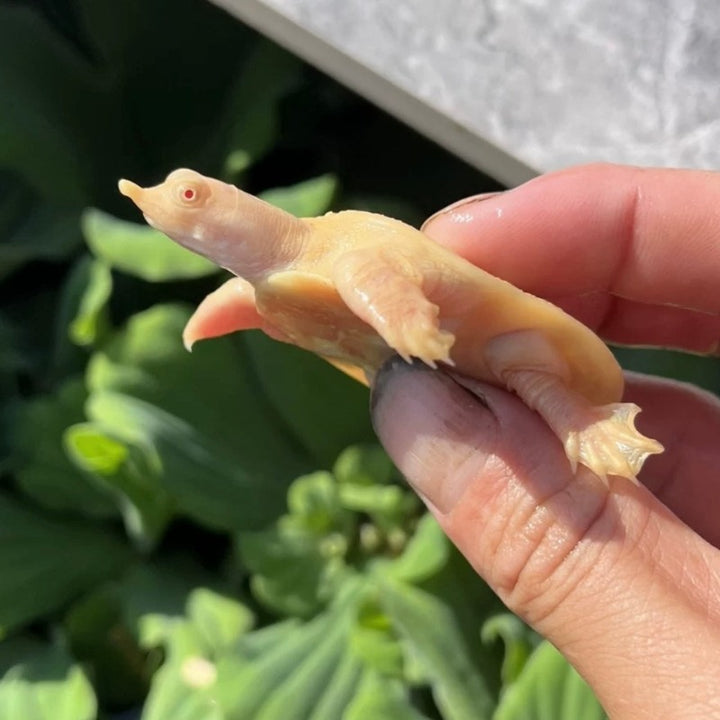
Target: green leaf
column 314, row 502
column 325, row 409
column 140, row 250
column 264, row 639
column 41, row 682
column 221, row 620
column 34, row 342
column 157, row 131
column 381, row 698
column 698, row 369
column 432, row 634
column 363, row 465
column 312, row 673
column 154, row 599
column 98, row 453
column 184, row 690
column 389, row 506
column 296, row 696
column 339, row 691
column 187, row 684
column 124, row 629
column 67, row 357
column 252, row 113
column 120, row 630
column 90, row 321
column 129, row 474
column 290, row 680
column 11, row 357
column 519, row 641
column 48, row 129
column 45, row 473
column 44, row 233
column 45, row 562
column 8, row 413
column 200, row 476
column 424, row 555
column 168, row 605
column 306, row 199
column 548, row 689
column 102, row 641
column 294, row 572
column 299, row 563
column 377, row 648
column 364, row 473
column 220, row 453
column 213, row 389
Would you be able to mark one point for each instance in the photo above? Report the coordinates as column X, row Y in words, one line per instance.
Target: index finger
column 634, row 253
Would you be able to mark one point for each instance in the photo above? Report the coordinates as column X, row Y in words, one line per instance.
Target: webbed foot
column 610, row 444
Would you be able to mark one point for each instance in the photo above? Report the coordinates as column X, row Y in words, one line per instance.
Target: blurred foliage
column 212, row 535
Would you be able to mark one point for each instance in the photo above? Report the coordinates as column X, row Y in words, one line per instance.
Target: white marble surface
column 517, row 86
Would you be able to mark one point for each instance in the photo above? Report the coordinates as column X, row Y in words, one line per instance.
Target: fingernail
column 461, row 203
column 438, row 433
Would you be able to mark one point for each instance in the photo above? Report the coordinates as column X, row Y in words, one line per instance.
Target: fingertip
column 529, row 235
column 438, row 434
column 449, row 434
column 429, row 226
column 645, row 235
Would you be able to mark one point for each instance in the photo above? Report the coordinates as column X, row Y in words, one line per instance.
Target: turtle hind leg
column 611, row 444
column 602, row 438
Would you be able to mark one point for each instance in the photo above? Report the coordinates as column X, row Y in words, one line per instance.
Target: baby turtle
column 357, row 287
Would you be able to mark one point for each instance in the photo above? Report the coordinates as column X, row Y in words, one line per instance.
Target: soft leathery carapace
column 356, row 287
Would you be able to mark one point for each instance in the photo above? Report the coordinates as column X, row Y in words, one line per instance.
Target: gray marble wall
column 547, row 83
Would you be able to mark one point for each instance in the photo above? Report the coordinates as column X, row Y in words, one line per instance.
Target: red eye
column 189, row 194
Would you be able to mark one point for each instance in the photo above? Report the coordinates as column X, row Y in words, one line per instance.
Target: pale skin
column 357, row 287
column 624, row 580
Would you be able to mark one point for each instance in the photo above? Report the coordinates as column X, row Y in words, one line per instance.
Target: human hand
column 626, row 581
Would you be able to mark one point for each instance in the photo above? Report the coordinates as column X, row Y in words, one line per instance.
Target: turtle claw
column 610, row 444
column 429, row 345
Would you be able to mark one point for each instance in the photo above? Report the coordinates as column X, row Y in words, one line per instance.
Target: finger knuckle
column 545, row 550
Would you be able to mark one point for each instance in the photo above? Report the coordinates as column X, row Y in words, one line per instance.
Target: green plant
column 203, row 536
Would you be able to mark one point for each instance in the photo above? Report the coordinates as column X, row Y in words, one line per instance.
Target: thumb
column 626, row 591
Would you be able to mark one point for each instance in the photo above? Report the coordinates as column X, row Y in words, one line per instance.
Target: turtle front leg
column 226, row 310
column 386, row 292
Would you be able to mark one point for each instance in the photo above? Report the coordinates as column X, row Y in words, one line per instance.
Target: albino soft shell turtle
column 356, row 287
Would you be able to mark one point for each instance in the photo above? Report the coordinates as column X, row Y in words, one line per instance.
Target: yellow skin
column 356, row 287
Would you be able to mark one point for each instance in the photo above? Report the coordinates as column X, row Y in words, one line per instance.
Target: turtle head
column 230, row 227
column 187, row 206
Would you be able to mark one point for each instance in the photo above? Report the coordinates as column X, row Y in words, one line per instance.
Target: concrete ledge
column 517, row 87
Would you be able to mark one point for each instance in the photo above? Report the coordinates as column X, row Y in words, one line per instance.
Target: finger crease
column 554, row 573
column 628, row 241
column 629, row 236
